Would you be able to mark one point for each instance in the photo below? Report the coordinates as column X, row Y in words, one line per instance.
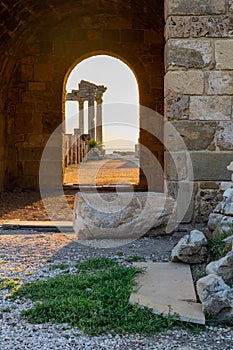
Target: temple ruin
column 91, row 93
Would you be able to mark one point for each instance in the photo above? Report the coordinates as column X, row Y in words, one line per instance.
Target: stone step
column 54, row 226
column 168, row 289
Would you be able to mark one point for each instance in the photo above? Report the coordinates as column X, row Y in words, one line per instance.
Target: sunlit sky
column 120, row 101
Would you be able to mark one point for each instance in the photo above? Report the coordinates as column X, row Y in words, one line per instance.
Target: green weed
column 95, row 299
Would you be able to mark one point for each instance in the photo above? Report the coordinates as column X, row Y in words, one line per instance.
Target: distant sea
column 111, row 150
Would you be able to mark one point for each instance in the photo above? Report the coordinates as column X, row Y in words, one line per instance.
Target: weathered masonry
column 41, row 42
column 199, row 92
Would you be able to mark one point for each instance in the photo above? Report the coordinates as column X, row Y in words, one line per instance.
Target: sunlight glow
column 120, row 101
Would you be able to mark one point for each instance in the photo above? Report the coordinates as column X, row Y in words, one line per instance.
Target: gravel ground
column 29, row 256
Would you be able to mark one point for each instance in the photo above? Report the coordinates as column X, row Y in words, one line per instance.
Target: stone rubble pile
column 222, row 217
column 214, row 292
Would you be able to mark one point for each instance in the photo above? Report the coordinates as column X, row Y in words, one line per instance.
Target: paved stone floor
column 168, row 289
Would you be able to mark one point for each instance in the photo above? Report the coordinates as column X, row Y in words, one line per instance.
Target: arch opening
column 101, row 123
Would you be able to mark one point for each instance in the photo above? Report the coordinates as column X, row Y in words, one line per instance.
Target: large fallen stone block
column 222, row 267
column 122, row 215
column 191, row 248
column 216, row 297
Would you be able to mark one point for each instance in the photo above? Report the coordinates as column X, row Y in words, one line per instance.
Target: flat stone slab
column 38, row 225
column 167, row 288
column 122, row 214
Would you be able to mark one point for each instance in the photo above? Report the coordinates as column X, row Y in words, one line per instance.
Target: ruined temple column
column 81, row 115
column 99, row 121
column 91, row 116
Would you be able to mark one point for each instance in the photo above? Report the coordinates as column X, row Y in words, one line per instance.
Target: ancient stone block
column 26, row 72
column 223, row 54
column 213, row 283
column 36, row 86
column 206, row 202
column 219, row 83
column 196, row 135
column 43, row 72
column 225, row 136
column 189, row 53
column 213, row 27
column 209, row 185
column 222, row 267
column 25, row 107
column 36, row 140
column 31, row 168
column 23, row 123
column 191, row 248
column 210, row 107
column 30, row 153
column 112, row 35
column 211, row 166
column 46, row 47
column 178, row 27
column 184, row 82
column 175, row 166
column 184, row 202
column 120, row 215
column 177, row 106
column 199, row 7
column 132, row 35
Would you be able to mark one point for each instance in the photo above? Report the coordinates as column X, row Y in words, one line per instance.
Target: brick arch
column 41, row 44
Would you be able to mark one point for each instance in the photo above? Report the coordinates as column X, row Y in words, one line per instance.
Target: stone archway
column 40, row 43
column 151, row 146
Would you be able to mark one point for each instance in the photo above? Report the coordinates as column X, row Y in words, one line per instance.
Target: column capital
column 99, row 100
column 81, row 101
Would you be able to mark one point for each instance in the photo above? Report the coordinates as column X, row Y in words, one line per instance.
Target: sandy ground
column 103, row 172
column 28, row 206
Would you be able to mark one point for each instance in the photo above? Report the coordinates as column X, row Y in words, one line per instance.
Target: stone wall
column 199, row 89
column 42, row 42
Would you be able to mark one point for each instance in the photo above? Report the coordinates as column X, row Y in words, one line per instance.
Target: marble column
column 99, row 121
column 91, row 116
column 81, row 116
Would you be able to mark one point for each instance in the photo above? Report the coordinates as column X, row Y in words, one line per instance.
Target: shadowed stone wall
column 41, row 42
column 198, row 92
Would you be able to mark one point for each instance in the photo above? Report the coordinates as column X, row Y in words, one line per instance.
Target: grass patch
column 95, row 298
column 134, row 258
column 59, row 266
column 9, row 284
column 216, row 248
